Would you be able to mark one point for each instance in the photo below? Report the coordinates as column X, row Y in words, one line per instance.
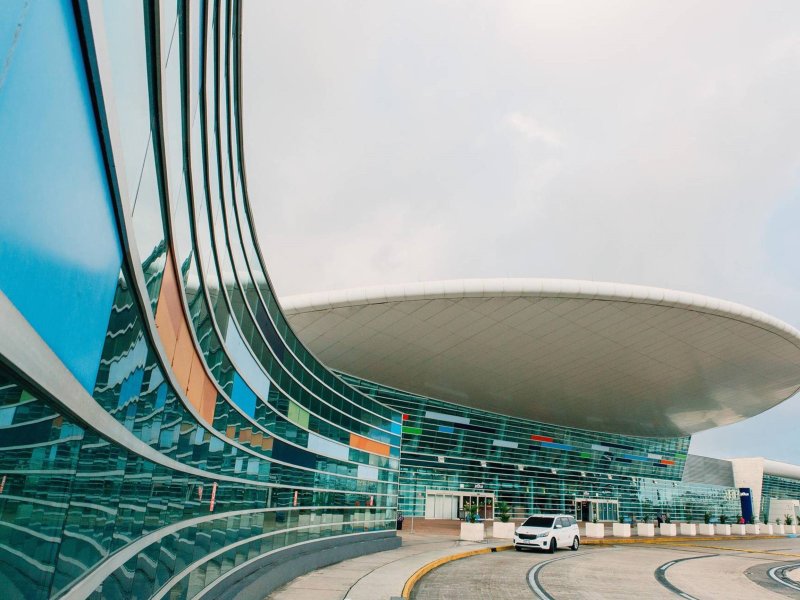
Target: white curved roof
column 781, row 469
column 600, row 356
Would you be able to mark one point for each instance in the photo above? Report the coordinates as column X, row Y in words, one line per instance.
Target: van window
column 538, row 522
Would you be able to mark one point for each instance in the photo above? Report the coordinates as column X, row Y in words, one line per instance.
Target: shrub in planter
column 723, row 519
column 787, row 519
column 503, row 511
column 707, row 518
column 471, row 512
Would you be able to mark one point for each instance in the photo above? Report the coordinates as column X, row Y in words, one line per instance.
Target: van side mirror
column 558, row 526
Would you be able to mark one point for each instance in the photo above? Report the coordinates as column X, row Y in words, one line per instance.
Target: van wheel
column 552, row 547
column 517, row 548
column 576, row 543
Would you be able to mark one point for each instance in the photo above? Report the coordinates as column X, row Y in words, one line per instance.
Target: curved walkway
column 379, row 576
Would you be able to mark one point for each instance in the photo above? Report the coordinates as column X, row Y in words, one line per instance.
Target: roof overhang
column 601, row 356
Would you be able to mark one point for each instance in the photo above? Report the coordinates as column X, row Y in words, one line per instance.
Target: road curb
column 419, row 573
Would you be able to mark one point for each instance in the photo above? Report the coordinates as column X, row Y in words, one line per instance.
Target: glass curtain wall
column 136, row 262
column 537, row 467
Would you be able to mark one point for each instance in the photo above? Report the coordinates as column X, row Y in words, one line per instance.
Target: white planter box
column 779, row 529
column 622, row 530
column 472, row 532
column 688, row 529
column 723, row 529
column 645, row 529
column 595, row 530
column 705, row 529
column 766, row 529
column 669, row 529
column 504, row 531
column 738, row 529
column 753, row 529
column 791, row 529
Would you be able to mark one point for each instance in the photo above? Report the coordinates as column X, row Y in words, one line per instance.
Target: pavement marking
column 767, row 552
column 661, row 577
column 533, row 576
column 778, row 574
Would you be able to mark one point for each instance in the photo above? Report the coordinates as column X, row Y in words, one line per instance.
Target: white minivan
column 548, row 532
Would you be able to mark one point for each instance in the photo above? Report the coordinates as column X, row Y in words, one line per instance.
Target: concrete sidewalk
column 379, row 576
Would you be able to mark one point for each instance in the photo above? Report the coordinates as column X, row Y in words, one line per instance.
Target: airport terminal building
column 567, row 396
column 169, row 428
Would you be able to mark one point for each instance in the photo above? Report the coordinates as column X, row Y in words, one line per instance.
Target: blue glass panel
column 243, row 396
column 557, row 446
column 245, row 363
column 634, row 457
column 59, row 251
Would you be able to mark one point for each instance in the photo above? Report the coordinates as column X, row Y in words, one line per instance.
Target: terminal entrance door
column 587, row 509
column 441, row 506
column 447, row 504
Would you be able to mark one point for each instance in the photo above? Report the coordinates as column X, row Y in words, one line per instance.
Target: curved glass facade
column 127, row 248
column 457, row 454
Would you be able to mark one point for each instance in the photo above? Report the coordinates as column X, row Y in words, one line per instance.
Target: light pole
column 414, row 498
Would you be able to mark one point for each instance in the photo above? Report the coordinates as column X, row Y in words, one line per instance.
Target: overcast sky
column 654, row 143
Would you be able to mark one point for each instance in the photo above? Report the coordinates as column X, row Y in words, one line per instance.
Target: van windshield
column 538, row 522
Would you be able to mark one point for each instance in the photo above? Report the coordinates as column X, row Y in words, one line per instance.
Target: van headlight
column 543, row 534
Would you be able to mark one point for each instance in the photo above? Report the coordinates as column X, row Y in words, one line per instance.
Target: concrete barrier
column 622, row 530
column 705, row 529
column 595, row 530
column 668, row 529
column 645, row 530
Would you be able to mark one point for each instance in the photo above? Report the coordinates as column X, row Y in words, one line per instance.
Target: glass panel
column 58, row 231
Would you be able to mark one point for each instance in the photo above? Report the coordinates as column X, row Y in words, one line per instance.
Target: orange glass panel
column 196, row 379
column 209, row 400
column 184, row 353
column 166, row 330
column 170, row 297
column 368, row 445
